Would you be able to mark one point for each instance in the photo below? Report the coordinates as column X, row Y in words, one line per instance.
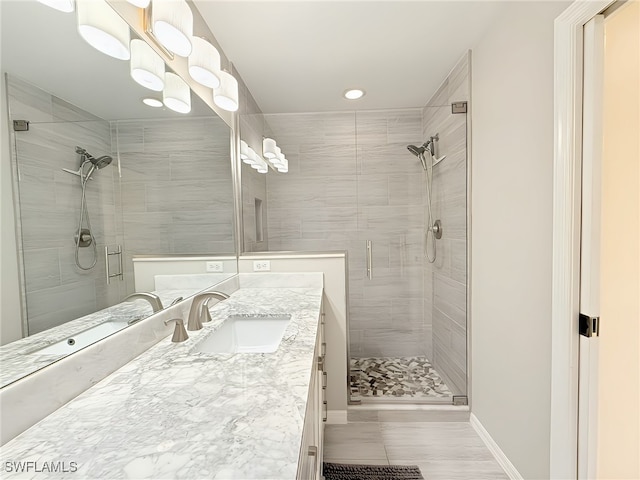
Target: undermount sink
column 84, row 338
column 246, row 334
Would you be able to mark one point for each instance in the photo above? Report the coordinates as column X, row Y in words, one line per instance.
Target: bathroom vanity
column 180, row 411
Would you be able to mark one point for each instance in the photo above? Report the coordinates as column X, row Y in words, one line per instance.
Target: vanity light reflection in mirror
column 166, row 192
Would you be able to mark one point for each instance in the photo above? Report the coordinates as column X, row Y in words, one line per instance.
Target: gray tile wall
column 447, row 297
column 351, row 179
column 49, row 205
column 176, row 188
column 254, row 186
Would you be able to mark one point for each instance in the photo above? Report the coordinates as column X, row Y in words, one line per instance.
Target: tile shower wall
column 176, row 187
column 350, row 180
column 49, row 206
column 446, row 279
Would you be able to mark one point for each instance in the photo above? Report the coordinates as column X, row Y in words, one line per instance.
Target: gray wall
column 351, row 179
column 57, row 291
column 446, row 278
column 512, row 175
column 176, row 187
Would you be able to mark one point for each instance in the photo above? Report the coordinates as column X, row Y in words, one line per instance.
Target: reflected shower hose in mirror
column 84, row 237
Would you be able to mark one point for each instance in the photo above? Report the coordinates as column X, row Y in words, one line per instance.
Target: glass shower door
column 407, row 315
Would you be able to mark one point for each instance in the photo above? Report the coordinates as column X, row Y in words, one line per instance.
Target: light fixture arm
column 147, row 20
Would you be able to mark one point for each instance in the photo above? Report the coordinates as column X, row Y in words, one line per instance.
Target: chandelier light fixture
column 147, row 67
column 204, row 63
column 102, row 28
column 172, row 23
column 269, row 148
column 176, row 94
column 226, row 95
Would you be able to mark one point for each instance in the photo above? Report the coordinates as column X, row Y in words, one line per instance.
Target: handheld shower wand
column 83, row 236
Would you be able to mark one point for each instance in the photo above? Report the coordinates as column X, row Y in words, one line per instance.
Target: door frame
column 567, row 191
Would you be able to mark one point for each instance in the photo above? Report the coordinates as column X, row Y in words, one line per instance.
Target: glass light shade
column 204, row 63
column 147, row 67
column 65, row 6
column 284, row 168
column 226, row 96
column 263, row 167
column 269, row 148
column 253, row 158
column 152, row 102
column 103, row 29
column 244, row 151
column 140, row 3
column 176, row 94
column 172, row 22
column 278, row 160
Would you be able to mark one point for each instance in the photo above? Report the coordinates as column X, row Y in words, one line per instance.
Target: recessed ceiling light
column 353, row 94
column 152, row 102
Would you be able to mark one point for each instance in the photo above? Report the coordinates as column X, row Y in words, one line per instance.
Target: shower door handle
column 369, row 260
column 108, row 254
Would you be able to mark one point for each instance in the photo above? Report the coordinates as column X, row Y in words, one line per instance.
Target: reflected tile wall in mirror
column 176, row 187
column 49, row 203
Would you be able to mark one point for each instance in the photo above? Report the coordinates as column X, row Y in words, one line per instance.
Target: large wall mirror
column 89, row 156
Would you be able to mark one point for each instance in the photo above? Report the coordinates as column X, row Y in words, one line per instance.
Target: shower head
column 417, row 151
column 94, row 163
column 101, row 162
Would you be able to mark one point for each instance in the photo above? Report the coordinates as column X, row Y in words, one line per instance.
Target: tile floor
column 396, row 378
column 442, row 450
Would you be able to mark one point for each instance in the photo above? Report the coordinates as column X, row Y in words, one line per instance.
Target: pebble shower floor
column 396, row 377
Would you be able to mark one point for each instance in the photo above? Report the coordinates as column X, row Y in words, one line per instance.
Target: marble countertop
column 174, row 413
column 18, row 359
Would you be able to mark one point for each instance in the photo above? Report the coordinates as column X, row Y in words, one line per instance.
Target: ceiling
column 300, row 56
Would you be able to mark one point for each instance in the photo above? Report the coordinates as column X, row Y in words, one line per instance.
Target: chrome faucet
column 152, row 298
column 199, row 311
column 179, row 333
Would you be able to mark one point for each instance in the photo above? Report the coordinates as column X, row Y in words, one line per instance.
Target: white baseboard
column 336, row 417
column 495, row 450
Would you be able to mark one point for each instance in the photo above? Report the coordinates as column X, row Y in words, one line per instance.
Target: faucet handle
column 179, row 333
column 179, row 299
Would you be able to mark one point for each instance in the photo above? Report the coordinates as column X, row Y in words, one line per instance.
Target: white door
column 609, row 384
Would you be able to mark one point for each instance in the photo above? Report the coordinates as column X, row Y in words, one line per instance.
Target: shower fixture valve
column 436, row 228
column 85, row 238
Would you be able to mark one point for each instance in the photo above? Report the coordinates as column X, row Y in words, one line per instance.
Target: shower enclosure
column 352, row 185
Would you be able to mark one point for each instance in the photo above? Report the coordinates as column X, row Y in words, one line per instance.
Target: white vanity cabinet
column 310, row 461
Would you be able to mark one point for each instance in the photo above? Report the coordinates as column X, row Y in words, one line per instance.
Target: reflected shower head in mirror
column 87, row 159
column 101, row 162
column 98, row 163
column 417, row 151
